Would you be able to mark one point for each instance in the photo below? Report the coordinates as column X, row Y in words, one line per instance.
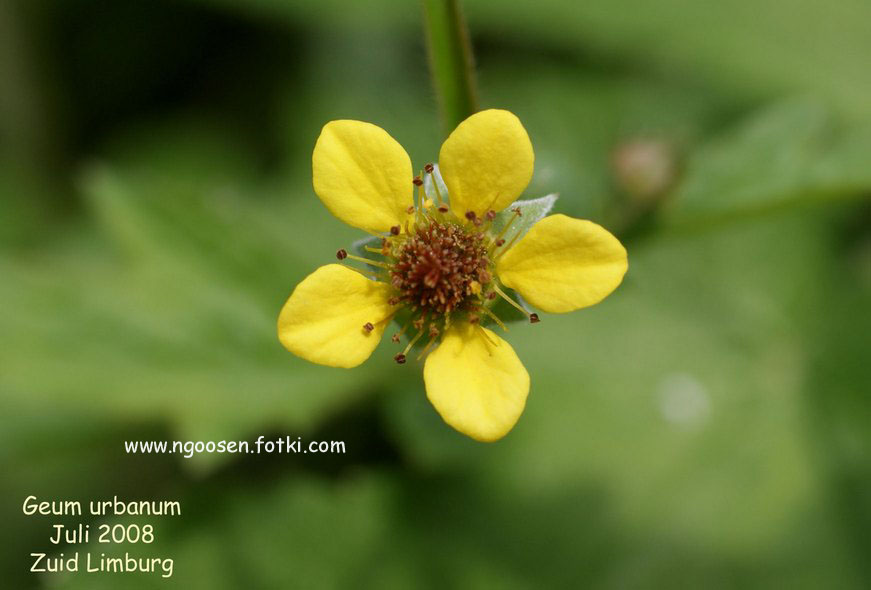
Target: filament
column 509, row 299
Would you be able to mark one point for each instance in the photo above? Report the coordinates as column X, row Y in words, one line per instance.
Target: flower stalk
column 451, row 61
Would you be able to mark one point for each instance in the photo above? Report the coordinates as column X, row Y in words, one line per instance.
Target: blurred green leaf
column 786, row 154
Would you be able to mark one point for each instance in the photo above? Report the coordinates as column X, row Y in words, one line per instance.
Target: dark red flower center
column 441, row 267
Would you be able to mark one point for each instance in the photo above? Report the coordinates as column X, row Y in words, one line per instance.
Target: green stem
column 451, row 62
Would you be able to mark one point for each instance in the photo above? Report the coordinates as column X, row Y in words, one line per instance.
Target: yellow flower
column 439, row 264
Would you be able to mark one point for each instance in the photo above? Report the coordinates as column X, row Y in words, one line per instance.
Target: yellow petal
column 478, row 386
column 564, row 264
column 362, row 175
column 323, row 319
column 486, row 162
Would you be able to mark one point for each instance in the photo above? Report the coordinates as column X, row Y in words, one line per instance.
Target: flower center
column 441, row 268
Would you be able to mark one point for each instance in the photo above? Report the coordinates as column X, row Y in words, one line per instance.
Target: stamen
column 395, row 230
column 366, row 260
column 396, row 337
column 368, row 327
column 515, row 304
column 427, row 347
column 493, row 317
column 533, row 318
column 443, row 209
column 428, row 168
column 342, row 254
column 510, row 243
column 412, row 342
column 399, row 358
column 498, row 241
column 417, row 181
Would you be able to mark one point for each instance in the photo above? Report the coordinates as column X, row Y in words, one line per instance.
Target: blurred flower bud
column 645, row 169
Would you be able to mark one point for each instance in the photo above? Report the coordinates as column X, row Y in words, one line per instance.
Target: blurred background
column 708, row 425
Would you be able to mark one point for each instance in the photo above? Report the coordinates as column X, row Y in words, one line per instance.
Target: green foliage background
column 706, row 426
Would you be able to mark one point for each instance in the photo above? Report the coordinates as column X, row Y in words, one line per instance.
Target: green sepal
column 531, row 211
column 433, row 180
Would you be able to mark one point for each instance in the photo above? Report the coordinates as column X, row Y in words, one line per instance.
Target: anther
column 443, row 209
column 395, row 338
column 394, row 230
column 516, row 211
column 428, row 168
column 473, row 319
column 499, row 242
column 511, row 242
column 470, row 215
column 533, row 317
column 410, row 209
column 399, row 358
column 491, row 295
column 342, row 254
column 491, row 215
column 393, row 301
column 368, row 327
column 417, row 181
